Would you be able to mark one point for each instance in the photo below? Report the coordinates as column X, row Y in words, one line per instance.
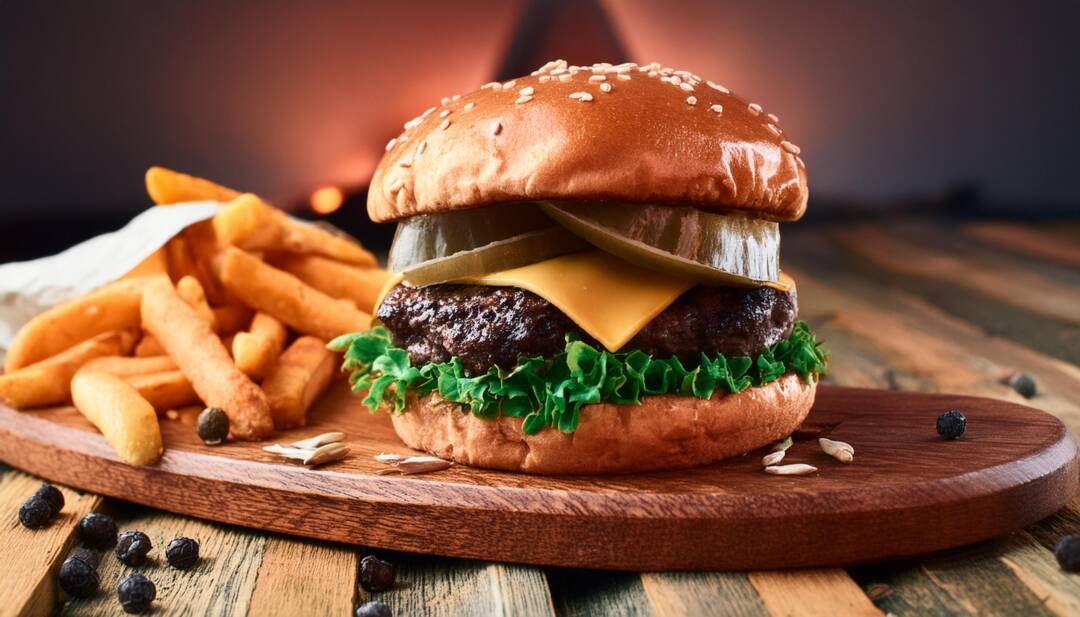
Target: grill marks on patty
column 493, row 326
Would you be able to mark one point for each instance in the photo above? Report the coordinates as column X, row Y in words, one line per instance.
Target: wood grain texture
column 1016, row 468
column 304, row 578
column 442, row 587
column 1037, row 568
column 1027, row 240
column 815, row 593
column 30, row 558
column 584, row 593
column 221, row 583
column 686, row 594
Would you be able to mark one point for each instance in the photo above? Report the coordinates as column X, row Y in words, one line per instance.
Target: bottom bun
column 663, row 432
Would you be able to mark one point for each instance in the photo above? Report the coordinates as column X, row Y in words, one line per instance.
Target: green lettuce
column 550, row 392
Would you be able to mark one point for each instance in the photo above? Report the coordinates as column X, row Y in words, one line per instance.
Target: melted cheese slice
column 609, row 298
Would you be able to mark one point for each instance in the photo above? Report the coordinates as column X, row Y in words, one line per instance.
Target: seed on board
column 390, row 459
column 1023, row 383
column 373, row 609
column 87, row 556
column 212, row 426
column 951, row 424
column 376, row 574
column 78, row 578
column 319, row 440
column 136, row 593
column 329, row 453
column 36, row 513
column 132, row 547
column 182, row 553
column 417, row 464
column 97, row 530
column 839, row 450
column 796, row 469
column 51, row 494
column 784, row 444
column 773, row 458
column 1067, row 552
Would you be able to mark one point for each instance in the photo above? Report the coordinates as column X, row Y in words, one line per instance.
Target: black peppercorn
column 1023, row 383
column 951, row 424
column 78, row 578
column 36, row 513
column 1067, row 551
column 97, row 530
column 51, row 494
column 136, row 593
column 213, row 426
column 373, row 609
column 132, row 547
column 182, row 552
column 376, row 574
column 90, row 558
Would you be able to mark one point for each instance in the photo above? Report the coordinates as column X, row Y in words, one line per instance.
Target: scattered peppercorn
column 212, row 426
column 1023, row 383
column 136, row 593
column 132, row 547
column 36, row 513
column 951, row 424
column 78, row 578
column 88, row 557
column 1067, row 551
column 51, row 494
column 376, row 574
column 373, row 609
column 182, row 552
column 97, row 530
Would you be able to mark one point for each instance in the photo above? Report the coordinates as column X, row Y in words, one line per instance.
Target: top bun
column 628, row 133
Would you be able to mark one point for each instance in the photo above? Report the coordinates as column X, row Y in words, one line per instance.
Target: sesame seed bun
column 664, row 432
column 651, row 134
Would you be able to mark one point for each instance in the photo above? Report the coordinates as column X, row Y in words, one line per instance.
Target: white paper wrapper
column 29, row 287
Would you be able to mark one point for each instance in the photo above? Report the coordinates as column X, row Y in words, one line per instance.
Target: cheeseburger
column 588, row 276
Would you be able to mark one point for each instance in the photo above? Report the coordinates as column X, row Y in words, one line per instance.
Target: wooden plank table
column 903, row 304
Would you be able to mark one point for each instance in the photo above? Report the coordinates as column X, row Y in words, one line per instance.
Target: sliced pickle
column 433, row 236
column 516, row 251
column 715, row 248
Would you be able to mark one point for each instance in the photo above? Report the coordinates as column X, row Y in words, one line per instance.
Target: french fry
column 204, row 360
column 232, row 318
column 49, row 382
column 166, row 186
column 149, row 347
column 126, row 419
column 251, row 224
column 192, row 292
column 254, row 352
column 286, row 297
column 123, row 367
column 361, row 285
column 203, row 243
column 179, row 257
column 107, row 309
column 301, row 374
column 156, row 263
column 166, row 390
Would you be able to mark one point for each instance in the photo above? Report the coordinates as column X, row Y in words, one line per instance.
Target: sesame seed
column 790, row 147
column 522, row 99
column 468, row 106
column 444, row 113
column 509, row 84
column 623, row 76
column 390, row 144
column 444, row 100
column 718, row 87
column 596, row 78
column 496, row 128
column 687, row 86
column 445, row 123
column 565, row 77
column 558, row 71
column 605, row 87
column 423, row 146
column 772, row 129
column 691, row 100
column 754, row 108
column 653, row 73
column 526, row 91
column 717, row 108
column 584, row 97
column 427, row 112
column 455, row 98
column 773, row 118
column 491, row 84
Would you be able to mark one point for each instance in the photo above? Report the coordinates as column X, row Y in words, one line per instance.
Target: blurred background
column 968, row 108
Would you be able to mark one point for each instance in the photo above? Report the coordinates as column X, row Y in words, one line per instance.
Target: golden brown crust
column 639, row 142
column 664, row 432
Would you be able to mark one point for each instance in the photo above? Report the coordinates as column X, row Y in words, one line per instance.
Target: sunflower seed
column 773, row 458
column 390, row 459
column 797, row 469
column 783, row 445
column 839, row 450
column 319, row 440
column 288, row 451
column 417, row 464
column 327, row 454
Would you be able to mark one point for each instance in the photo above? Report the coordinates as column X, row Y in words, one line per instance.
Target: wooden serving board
column 908, row 492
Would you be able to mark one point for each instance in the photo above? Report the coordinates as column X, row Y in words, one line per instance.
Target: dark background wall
column 892, row 102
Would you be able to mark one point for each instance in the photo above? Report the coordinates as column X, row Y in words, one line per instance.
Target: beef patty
column 487, row 326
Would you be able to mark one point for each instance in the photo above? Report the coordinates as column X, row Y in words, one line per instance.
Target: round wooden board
column 907, row 493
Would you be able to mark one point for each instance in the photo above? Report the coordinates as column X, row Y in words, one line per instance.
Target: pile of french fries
column 233, row 312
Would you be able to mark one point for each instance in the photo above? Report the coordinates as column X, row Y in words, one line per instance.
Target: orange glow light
column 327, row 199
